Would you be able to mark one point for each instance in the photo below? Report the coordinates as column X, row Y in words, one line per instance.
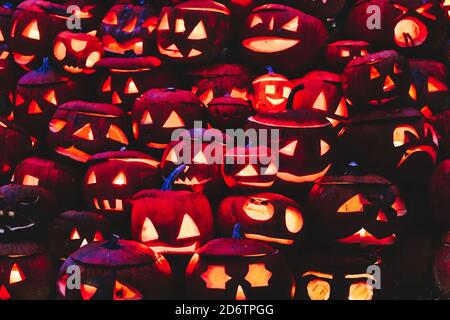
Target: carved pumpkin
column 413, row 27
column 238, row 269
column 441, row 268
column 322, row 91
column 158, row 112
column 193, row 31
column 77, row 52
column 287, row 39
column 250, row 168
column 35, row 24
column 377, row 79
column 340, row 53
column 270, row 93
column 228, row 112
column 394, row 143
column 440, row 193
column 72, row 230
column 356, row 210
column 38, row 94
column 267, row 217
column 129, row 30
column 79, row 129
column 122, row 80
column 116, row 270
column 171, row 222
column 25, row 212
column 26, row 272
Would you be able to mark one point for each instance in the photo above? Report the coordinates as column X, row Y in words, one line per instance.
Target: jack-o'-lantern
column 35, row 24
column 72, row 230
column 270, row 93
column 238, row 269
column 323, row 8
column 413, row 27
column 396, row 143
column 440, row 193
column 116, row 270
column 430, row 85
column 356, row 210
column 79, row 129
column 129, row 30
column 25, row 212
column 158, row 112
column 77, row 52
column 38, row 94
column 88, row 12
column 441, row 268
column 171, row 222
column 15, row 146
column 322, row 91
column 305, row 145
column 122, row 80
column 201, row 159
column 340, row 53
column 193, row 31
column 26, row 272
column 247, row 168
column 228, row 112
column 287, row 39
column 336, row 275
column 267, row 217
column 377, row 79
column 60, row 179
column 219, row 80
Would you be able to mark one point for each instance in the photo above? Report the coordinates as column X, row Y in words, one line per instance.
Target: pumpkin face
column 439, row 192
column 413, row 27
column 393, row 143
column 77, row 52
column 267, row 217
column 249, row 168
column 114, row 177
column 219, row 80
column 441, row 267
column 125, row 270
column 340, row 53
column 80, row 129
column 229, row 113
column 306, row 141
column 72, row 230
column 376, row 79
column 322, row 91
column 430, row 85
column 238, row 269
column 25, row 212
column 38, row 94
column 128, row 30
column 193, row 31
column 186, row 224
column 34, row 26
column 15, row 146
column 271, row 93
column 26, row 272
column 274, row 33
column 158, row 112
column 122, row 80
column 356, row 210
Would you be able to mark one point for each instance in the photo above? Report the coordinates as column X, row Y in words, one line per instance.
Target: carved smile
column 426, row 149
column 289, row 177
column 276, row 102
column 269, row 44
column 22, row 59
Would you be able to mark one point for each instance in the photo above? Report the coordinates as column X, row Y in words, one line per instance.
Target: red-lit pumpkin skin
column 441, row 268
column 270, row 93
column 322, row 9
column 440, row 193
column 229, row 113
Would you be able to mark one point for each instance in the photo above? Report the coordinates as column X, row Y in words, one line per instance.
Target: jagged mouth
column 425, row 149
column 172, row 51
column 107, row 205
column 76, row 70
column 191, row 182
column 365, row 238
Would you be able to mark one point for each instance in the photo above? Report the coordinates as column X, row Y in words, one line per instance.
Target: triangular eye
column 374, row 73
column 321, row 102
column 16, row 274
column 59, row 50
column 74, row 235
column 434, row 85
column 29, row 180
column 389, row 84
column 2, row 38
column 324, row 147
column 423, row 11
column 172, row 156
column 207, row 96
column 110, row 18
column 198, row 33
column 34, row 108
column 291, row 25
column 19, row 100
column 258, row 275
column 271, row 169
column 188, row 228
column 120, row 179
column 289, row 149
column 194, row 53
column 248, row 171
column 215, row 277
column 32, row 31
column 98, row 236
column 353, row 205
column 107, row 85
column 255, row 21
column 131, row 87
column 200, row 158
column 51, row 97
column 146, row 118
column 164, row 24
column 381, row 217
column 173, row 121
column 84, row 132
column 130, row 26
column 56, row 125
column 123, row 292
column 341, row 110
column 148, row 232
column 116, row 134
column 87, row 291
column 92, row 178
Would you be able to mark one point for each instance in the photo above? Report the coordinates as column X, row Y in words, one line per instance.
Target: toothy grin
column 114, row 205
column 73, row 69
column 191, row 182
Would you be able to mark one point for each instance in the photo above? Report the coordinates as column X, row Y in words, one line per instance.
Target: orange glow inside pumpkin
column 215, row 277
column 98, row 236
column 120, row 179
column 247, row 171
column 107, row 85
column 16, row 275
column 116, row 134
column 130, row 87
column 318, row 289
column 321, row 102
column 34, row 108
column 32, row 30
column 146, row 118
column 259, row 209
column 345, row 53
column 198, row 33
column 374, row 73
column 410, row 32
column 78, row 45
column 87, row 291
column 399, row 136
column 110, row 18
column 354, row 204
column 258, row 275
column 59, row 51
column 56, row 125
column 148, row 232
column 388, row 85
column 74, row 235
column 293, row 219
column 173, row 121
column 4, row 294
column 434, row 85
column 123, row 292
column 188, row 228
column 360, row 291
column 29, row 180
column 130, row 26
column 289, row 149
column 116, row 98
column 51, row 97
column 84, row 133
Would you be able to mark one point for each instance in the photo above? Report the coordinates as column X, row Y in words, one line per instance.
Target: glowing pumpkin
column 340, row 53
column 270, row 93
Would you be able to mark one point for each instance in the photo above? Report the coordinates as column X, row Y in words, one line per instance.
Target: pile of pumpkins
column 351, row 202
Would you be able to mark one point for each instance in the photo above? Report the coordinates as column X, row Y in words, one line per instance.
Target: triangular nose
column 240, row 295
column 389, row 84
column 4, row 294
column 83, row 243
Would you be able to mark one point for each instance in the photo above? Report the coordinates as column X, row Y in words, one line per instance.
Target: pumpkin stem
column 172, row 176
column 113, row 242
column 269, row 69
column 237, row 231
column 45, row 65
column 352, row 169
